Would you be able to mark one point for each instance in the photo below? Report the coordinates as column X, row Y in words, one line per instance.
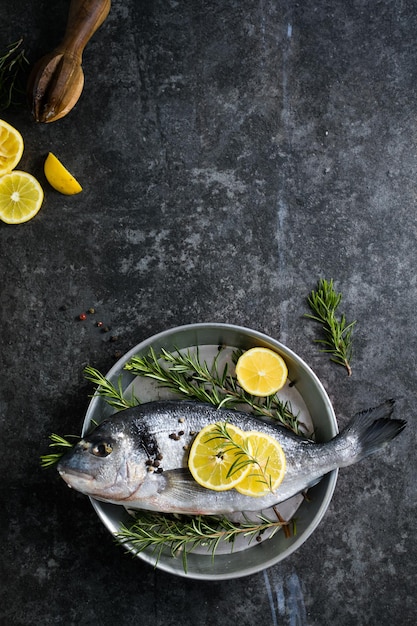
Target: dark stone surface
column 231, row 154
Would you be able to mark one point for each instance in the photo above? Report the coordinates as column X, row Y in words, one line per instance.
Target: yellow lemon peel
column 59, row 177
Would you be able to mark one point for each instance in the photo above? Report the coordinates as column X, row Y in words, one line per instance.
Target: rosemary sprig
column 113, row 395
column 47, row 460
column 338, row 334
column 12, row 64
column 182, row 534
column 183, row 373
column 180, row 373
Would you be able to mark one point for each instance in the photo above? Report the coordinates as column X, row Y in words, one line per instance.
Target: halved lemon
column 21, row 197
column 11, row 147
column 267, row 472
column 59, row 177
column 261, row 371
column 214, row 461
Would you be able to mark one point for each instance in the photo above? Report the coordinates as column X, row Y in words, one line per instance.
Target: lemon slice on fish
column 261, row 372
column 267, row 472
column 217, row 459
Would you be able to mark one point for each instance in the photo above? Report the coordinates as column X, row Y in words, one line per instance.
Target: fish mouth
column 67, row 473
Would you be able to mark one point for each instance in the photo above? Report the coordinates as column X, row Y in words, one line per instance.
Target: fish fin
column 182, row 494
column 181, row 484
column 373, row 429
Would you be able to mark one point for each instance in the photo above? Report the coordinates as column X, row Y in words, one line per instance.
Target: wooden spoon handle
column 84, row 18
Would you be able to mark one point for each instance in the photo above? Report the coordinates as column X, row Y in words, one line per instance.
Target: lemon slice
column 267, row 473
column 261, row 372
column 213, row 456
column 21, row 197
column 59, row 177
column 11, row 147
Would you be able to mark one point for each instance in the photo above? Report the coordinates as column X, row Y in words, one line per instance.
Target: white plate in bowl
column 308, row 400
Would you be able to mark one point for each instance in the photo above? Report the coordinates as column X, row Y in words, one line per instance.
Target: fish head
column 110, row 463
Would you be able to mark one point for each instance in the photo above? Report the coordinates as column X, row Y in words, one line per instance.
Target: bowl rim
column 101, row 508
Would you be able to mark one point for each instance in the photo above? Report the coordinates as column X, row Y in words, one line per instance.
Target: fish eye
column 102, row 449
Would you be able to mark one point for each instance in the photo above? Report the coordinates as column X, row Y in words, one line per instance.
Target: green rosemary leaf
column 227, row 399
column 48, row 460
column 105, row 389
column 337, row 333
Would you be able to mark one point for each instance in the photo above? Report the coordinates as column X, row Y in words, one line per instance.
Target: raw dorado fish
column 112, row 462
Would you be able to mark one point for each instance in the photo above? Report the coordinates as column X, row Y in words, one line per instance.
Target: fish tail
column 371, row 430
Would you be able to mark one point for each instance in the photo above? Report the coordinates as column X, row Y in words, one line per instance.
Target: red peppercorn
column 82, row 316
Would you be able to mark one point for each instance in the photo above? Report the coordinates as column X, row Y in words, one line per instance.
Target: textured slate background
column 231, row 153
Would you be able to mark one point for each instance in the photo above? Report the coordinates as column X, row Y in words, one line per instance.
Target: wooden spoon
column 57, row 79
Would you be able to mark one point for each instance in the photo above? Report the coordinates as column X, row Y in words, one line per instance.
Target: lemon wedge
column 59, row 177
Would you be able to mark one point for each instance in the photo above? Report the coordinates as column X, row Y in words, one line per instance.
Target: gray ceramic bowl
column 315, row 405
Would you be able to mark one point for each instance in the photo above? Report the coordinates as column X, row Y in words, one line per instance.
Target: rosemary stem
column 337, row 333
